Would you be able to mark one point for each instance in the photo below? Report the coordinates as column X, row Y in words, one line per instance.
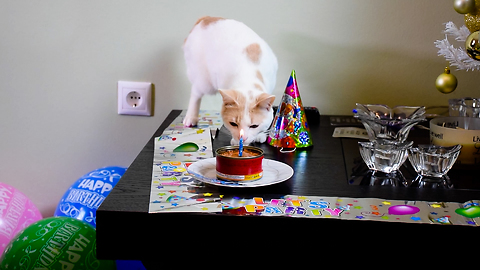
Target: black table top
column 322, row 170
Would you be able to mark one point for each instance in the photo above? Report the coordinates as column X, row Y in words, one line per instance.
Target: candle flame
column 241, row 132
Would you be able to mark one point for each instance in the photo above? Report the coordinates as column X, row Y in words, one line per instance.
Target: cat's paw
column 190, row 121
column 261, row 137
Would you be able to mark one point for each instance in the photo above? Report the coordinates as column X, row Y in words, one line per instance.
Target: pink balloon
column 16, row 213
column 403, row 210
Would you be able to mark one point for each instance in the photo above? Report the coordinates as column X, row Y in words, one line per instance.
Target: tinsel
column 457, row 57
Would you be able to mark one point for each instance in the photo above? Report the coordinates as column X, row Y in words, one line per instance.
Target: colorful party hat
column 290, row 128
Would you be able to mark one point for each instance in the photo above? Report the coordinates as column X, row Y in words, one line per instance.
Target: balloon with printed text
column 16, row 213
column 54, row 243
column 84, row 197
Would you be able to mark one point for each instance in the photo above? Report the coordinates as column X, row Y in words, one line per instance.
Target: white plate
column 273, row 172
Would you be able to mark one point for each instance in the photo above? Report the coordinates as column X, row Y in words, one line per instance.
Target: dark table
column 125, row 229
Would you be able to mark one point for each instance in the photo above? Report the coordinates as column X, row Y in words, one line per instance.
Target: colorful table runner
column 174, row 151
column 452, row 213
column 207, row 119
column 171, row 187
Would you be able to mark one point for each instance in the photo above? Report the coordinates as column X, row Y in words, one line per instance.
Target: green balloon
column 186, row 147
column 54, row 243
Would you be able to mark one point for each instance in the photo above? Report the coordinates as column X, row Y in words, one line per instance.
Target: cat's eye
column 233, row 124
column 254, row 126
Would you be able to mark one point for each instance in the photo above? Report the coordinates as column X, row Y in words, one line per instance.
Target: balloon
column 470, row 212
column 403, row 210
column 130, row 265
column 84, row 197
column 16, row 213
column 54, row 243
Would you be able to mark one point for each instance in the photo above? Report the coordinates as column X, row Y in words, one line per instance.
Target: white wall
column 60, row 62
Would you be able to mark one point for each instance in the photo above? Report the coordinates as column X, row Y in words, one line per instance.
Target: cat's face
column 251, row 112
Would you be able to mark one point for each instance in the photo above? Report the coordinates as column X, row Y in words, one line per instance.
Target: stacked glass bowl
column 388, row 147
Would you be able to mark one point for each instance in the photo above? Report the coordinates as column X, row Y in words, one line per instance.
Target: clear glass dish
column 384, row 155
column 432, row 162
column 464, row 107
column 383, row 122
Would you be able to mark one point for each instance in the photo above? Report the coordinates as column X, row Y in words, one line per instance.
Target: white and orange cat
column 226, row 56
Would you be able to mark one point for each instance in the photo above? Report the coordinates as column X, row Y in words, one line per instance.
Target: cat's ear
column 265, row 101
column 229, row 97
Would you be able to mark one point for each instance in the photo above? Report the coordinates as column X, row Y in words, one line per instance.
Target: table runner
column 452, row 213
column 179, row 146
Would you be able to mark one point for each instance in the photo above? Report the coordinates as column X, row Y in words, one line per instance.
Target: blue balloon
column 130, row 265
column 84, row 197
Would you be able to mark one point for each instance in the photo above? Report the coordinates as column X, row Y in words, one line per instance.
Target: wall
column 60, row 62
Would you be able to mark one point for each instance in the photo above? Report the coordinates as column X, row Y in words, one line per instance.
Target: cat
column 226, row 56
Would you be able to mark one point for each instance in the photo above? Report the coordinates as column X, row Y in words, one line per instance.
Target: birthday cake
column 230, row 166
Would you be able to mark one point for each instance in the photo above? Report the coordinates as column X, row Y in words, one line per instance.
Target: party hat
column 290, row 128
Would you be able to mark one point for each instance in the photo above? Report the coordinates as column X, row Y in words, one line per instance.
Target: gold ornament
column 464, row 6
column 472, row 22
column 472, row 19
column 446, row 82
column 472, row 45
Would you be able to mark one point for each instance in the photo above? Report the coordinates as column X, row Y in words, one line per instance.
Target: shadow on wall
column 335, row 77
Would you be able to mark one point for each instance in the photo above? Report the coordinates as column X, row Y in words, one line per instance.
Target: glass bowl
column 384, row 155
column 383, row 122
column 464, row 107
column 433, row 160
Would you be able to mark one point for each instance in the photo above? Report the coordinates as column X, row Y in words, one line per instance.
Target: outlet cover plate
column 135, row 98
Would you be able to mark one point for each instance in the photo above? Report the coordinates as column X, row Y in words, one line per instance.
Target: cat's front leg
column 261, row 137
column 191, row 119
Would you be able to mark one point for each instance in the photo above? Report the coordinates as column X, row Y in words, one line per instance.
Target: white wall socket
column 135, row 98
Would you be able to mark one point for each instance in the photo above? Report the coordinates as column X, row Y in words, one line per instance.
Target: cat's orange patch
column 263, row 101
column 254, row 52
column 245, row 110
column 207, row 20
column 259, row 107
column 259, row 76
column 233, row 105
column 258, row 86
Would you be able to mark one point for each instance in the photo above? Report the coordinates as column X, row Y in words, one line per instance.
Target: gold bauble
column 446, row 82
column 464, row 6
column 472, row 22
column 472, row 45
column 472, row 19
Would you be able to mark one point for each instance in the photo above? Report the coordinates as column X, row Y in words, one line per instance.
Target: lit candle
column 240, row 146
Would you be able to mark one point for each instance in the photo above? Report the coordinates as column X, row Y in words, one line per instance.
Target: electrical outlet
column 135, row 98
